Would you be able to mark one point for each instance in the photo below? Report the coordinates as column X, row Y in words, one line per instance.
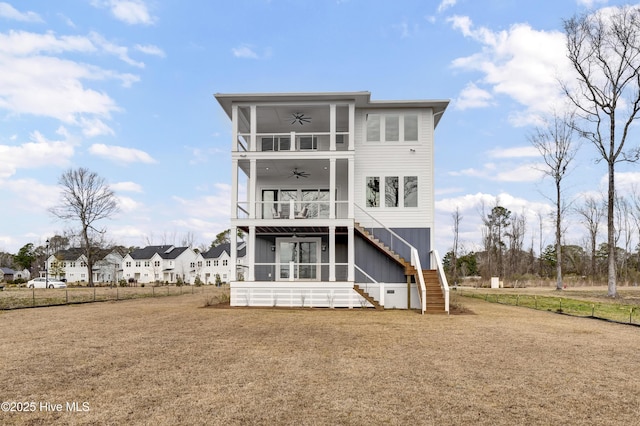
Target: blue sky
column 125, row 88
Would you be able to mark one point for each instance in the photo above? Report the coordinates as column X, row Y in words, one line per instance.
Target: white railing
column 316, row 141
column 415, row 257
column 444, row 285
column 312, row 209
column 298, row 271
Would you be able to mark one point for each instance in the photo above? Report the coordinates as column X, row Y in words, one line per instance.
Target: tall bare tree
column 554, row 142
column 604, row 50
column 592, row 211
column 85, row 199
column 457, row 218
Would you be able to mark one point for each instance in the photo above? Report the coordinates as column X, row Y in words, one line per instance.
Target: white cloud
column 515, row 152
column 521, row 63
column 150, row 49
column 591, row 3
column 245, row 52
column 446, row 4
column 128, row 11
column 40, row 152
column 127, row 204
column 9, row 12
column 121, row 52
column 31, row 193
column 473, row 97
column 120, row 154
column 126, row 187
column 504, row 172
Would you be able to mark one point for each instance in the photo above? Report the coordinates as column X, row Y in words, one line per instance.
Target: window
column 208, row 263
column 392, row 128
column 199, row 264
column 215, row 263
column 146, row 263
column 391, row 192
column 410, row 127
column 83, row 264
column 192, row 265
column 225, row 262
column 156, row 263
column 128, row 264
column 308, row 142
column 411, row 191
column 373, row 191
column 373, row 127
column 137, row 264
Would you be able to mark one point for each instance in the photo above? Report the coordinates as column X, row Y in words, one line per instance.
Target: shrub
column 198, row 282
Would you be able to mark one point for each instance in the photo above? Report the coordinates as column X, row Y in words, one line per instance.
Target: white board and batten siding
column 382, row 159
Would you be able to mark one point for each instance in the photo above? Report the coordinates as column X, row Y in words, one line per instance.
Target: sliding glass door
column 298, row 258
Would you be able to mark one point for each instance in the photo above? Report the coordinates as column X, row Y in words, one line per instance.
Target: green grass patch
column 613, row 311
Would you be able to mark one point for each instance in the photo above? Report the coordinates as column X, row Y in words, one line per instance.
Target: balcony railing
column 293, row 209
column 319, row 141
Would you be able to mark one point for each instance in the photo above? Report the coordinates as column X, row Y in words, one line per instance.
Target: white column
column 292, row 144
column 254, row 129
column 332, row 188
column 332, row 253
column 233, row 255
column 332, row 127
column 351, row 255
column 351, row 189
column 352, row 126
column 251, row 253
column 234, row 128
column 252, row 188
column 234, row 189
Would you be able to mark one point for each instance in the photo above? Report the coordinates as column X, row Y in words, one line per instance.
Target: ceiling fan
column 298, row 117
column 298, row 173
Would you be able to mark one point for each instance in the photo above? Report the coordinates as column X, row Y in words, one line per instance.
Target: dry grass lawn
column 173, row 361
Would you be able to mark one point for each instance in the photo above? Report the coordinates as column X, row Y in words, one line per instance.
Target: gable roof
column 7, row 271
column 216, row 252
column 165, row 252
column 69, row 254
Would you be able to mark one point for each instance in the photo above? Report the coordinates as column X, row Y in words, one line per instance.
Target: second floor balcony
column 293, row 141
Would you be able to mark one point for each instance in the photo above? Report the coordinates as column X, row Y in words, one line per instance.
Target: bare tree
column 457, row 218
column 554, row 142
column 604, row 50
column 592, row 212
column 86, row 198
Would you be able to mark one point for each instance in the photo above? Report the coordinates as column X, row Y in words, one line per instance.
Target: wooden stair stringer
column 367, row 297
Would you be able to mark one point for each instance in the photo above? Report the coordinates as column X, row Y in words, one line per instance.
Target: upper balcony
column 293, row 127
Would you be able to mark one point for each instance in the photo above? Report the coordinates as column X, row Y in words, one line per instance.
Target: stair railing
column 415, row 259
column 442, row 278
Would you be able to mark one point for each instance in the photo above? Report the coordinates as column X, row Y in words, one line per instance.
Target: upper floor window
column 215, row 263
column 394, row 127
column 394, row 195
column 156, row 263
column 208, row 263
column 137, row 263
column 411, row 191
column 146, row 263
column 373, row 191
column 128, row 264
column 225, row 262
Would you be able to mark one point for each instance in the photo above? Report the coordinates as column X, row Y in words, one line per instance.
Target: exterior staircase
column 367, row 297
column 435, row 298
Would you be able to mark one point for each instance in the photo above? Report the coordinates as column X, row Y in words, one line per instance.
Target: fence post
column 517, row 299
column 34, row 295
column 535, row 299
column 116, row 293
column 66, row 295
column 561, row 304
column 593, row 307
column 630, row 314
column 94, row 294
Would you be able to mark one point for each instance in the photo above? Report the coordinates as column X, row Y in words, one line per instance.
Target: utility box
column 495, row 282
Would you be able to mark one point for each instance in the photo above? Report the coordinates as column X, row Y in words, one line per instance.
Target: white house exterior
column 339, row 207
column 160, row 264
column 217, row 261
column 69, row 264
column 108, row 269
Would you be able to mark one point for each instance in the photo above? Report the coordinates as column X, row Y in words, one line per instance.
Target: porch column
column 234, row 128
column 352, row 125
column 332, row 188
column 251, row 254
column 351, row 189
column 233, row 255
column 332, row 253
column 254, row 129
column 351, row 254
column 332, row 127
column 252, row 188
column 234, row 188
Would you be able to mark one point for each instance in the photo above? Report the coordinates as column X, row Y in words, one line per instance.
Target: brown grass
column 173, row 361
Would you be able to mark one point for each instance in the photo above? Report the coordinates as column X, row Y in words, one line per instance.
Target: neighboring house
column 160, row 264
column 24, row 275
column 339, row 208
column 70, row 264
column 217, row 261
column 6, row 274
column 108, row 269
